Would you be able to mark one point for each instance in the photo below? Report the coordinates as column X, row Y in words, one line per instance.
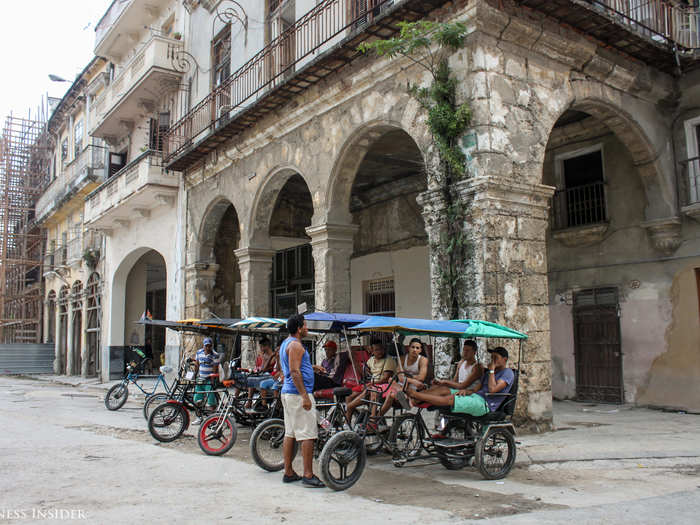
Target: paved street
column 61, row 449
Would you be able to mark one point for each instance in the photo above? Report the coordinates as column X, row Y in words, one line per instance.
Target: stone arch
column 348, row 162
column 264, row 204
column 209, row 226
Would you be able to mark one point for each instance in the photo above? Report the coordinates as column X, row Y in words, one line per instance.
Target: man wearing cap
column 475, row 401
column 207, row 366
column 330, row 373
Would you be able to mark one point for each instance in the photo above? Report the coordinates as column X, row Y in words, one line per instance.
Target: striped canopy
column 260, row 323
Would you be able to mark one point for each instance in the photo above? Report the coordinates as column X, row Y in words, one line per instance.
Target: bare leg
column 437, row 390
column 307, row 451
column 443, row 401
column 353, row 404
column 388, row 401
column 288, row 451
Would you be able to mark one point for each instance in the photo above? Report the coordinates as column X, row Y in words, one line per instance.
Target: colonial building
column 72, row 262
column 258, row 161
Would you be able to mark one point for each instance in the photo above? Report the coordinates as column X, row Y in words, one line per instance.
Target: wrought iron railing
column 579, row 206
column 689, row 181
column 656, row 19
column 270, row 67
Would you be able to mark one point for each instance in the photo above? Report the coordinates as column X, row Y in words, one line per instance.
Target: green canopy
column 477, row 328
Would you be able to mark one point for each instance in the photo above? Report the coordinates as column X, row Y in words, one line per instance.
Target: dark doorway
column 116, row 162
column 597, row 348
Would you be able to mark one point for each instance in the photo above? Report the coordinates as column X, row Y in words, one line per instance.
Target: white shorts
column 299, row 424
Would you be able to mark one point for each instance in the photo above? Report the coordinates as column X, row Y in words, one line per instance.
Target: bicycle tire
column 344, row 449
column 406, row 436
column 486, row 448
column 153, row 401
column 116, row 397
column 208, row 435
column 269, row 434
column 167, row 422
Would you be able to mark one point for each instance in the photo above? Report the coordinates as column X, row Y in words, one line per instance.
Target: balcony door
column 116, row 162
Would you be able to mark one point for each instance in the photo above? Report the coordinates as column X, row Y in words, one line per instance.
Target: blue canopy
column 332, row 322
column 406, row 326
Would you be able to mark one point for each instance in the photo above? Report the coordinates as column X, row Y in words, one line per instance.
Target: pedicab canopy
column 462, row 328
column 333, row 322
column 486, row 329
column 260, row 323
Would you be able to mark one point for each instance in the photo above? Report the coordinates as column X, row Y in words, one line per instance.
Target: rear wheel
column 266, row 445
column 217, row 435
column 117, row 396
column 152, row 402
column 495, row 453
column 167, row 422
column 343, row 460
column 453, row 463
column 407, row 436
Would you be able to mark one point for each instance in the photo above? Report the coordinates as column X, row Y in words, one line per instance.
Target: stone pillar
column 200, row 279
column 332, row 247
column 84, row 357
column 255, row 265
column 506, row 225
column 69, row 340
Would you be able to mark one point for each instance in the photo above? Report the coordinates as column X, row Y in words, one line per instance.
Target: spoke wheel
column 117, row 396
column 167, row 422
column 495, row 453
column 407, row 437
column 217, row 435
column 152, row 402
column 343, row 460
column 266, row 445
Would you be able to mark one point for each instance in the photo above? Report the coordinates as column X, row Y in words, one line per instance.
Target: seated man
column 262, row 371
column 381, row 367
column 474, row 401
column 330, row 373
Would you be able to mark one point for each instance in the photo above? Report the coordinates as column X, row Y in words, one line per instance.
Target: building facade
column 258, row 161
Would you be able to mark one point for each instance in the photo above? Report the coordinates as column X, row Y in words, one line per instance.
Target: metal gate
column 26, row 358
column 597, row 346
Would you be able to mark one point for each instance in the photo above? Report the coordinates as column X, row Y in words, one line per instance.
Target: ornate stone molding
column 665, row 234
column 495, row 193
column 250, row 255
column 329, row 233
column 581, row 235
column 692, row 211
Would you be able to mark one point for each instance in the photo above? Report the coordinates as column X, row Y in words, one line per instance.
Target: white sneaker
column 197, row 421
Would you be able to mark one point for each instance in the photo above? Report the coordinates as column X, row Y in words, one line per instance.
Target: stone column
column 69, row 340
column 506, row 224
column 255, row 265
column 84, row 357
column 332, row 247
column 200, row 279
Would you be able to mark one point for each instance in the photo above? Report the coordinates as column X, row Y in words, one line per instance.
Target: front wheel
column 217, row 434
column 406, row 436
column 342, row 460
column 167, row 422
column 495, row 453
column 266, row 445
column 153, row 401
column 117, row 396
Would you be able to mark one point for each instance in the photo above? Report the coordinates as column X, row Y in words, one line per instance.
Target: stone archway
column 93, row 323
column 51, row 317
column 61, row 363
column 76, row 328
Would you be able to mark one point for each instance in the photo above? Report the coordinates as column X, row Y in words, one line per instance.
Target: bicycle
column 117, row 395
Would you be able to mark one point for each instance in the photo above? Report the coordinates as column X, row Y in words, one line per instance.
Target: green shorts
column 472, row 404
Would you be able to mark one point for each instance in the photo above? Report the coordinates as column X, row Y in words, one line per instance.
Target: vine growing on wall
column 429, row 45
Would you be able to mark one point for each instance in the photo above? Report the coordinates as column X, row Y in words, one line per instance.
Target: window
column 64, row 152
column 292, row 280
column 77, row 139
column 692, row 135
column 158, row 129
column 580, row 198
column 281, row 17
column 380, row 298
column 221, row 56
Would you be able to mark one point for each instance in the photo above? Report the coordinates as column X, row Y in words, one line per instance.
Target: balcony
column 118, row 29
column 131, row 193
column 653, row 31
column 133, row 94
column 318, row 44
column 76, row 180
column 579, row 214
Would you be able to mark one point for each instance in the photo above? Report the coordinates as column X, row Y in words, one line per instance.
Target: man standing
column 298, row 402
column 207, row 366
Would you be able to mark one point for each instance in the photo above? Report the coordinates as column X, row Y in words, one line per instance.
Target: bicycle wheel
column 217, row 435
column 167, row 422
column 117, row 396
column 373, row 441
column 343, row 460
column 495, row 453
column 266, row 445
column 407, row 436
column 153, row 401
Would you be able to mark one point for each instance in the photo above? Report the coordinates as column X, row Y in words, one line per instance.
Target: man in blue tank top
column 298, row 402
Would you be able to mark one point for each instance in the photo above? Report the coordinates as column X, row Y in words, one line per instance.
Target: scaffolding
column 24, row 154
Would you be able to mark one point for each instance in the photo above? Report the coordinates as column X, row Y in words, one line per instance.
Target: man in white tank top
column 469, row 371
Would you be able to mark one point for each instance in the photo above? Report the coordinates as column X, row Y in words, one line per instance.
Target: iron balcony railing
column 579, row 206
column 689, row 182
column 659, row 20
column 271, row 66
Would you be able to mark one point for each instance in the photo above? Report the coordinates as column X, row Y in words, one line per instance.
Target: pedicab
column 486, row 442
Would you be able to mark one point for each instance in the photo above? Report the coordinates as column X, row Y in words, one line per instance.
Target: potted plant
column 91, row 256
column 177, row 35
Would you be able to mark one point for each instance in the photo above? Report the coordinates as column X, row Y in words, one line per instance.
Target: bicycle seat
column 165, row 369
column 342, row 391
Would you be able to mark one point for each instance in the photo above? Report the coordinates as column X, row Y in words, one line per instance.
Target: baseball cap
column 208, row 341
column 330, row 344
column 500, row 351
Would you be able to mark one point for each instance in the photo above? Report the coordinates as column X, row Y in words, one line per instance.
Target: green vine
column 429, row 45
